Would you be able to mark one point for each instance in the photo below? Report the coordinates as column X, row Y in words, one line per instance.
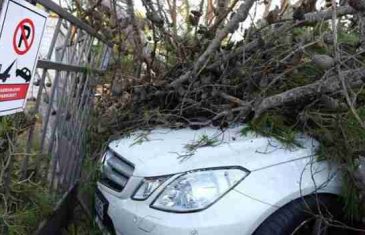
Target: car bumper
column 233, row 214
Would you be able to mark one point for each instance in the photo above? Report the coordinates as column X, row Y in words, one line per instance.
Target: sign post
column 21, row 30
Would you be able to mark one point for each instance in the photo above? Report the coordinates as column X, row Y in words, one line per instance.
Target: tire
column 298, row 216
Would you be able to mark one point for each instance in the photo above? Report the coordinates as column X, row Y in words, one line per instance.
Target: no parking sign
column 21, row 31
column 23, row 36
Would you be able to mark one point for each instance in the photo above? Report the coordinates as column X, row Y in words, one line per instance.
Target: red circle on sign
column 28, row 42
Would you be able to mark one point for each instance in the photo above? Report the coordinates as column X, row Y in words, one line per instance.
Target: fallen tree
column 296, row 68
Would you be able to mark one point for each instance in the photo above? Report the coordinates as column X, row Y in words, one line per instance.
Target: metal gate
column 62, row 97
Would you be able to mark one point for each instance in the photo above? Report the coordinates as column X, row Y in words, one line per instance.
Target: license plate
column 101, row 206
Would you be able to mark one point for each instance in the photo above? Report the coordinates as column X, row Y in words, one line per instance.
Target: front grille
column 116, row 171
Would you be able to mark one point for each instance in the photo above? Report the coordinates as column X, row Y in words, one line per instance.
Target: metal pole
column 50, row 147
column 68, row 172
column 25, row 162
column 83, row 104
column 58, row 116
column 63, row 119
column 53, row 92
column 87, row 44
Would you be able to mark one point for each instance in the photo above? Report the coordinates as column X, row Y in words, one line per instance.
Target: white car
column 209, row 181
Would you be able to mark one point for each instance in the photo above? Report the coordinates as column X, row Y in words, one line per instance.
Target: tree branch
column 240, row 16
column 328, row 85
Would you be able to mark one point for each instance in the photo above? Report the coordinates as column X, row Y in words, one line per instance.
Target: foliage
column 352, row 39
column 342, row 139
column 203, row 141
column 24, row 203
column 273, row 125
column 141, row 137
column 33, row 204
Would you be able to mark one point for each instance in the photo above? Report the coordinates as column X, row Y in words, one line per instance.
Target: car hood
column 170, row 151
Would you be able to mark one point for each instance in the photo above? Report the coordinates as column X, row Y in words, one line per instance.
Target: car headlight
column 147, row 187
column 195, row 191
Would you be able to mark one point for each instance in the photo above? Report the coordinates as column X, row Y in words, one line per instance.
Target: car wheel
column 318, row 214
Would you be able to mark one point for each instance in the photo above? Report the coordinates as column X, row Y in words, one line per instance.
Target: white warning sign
column 21, row 31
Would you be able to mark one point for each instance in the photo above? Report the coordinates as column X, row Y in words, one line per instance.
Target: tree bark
column 173, row 14
column 328, row 85
column 222, row 6
column 314, row 17
column 240, row 16
column 210, row 12
column 361, row 16
column 138, row 55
